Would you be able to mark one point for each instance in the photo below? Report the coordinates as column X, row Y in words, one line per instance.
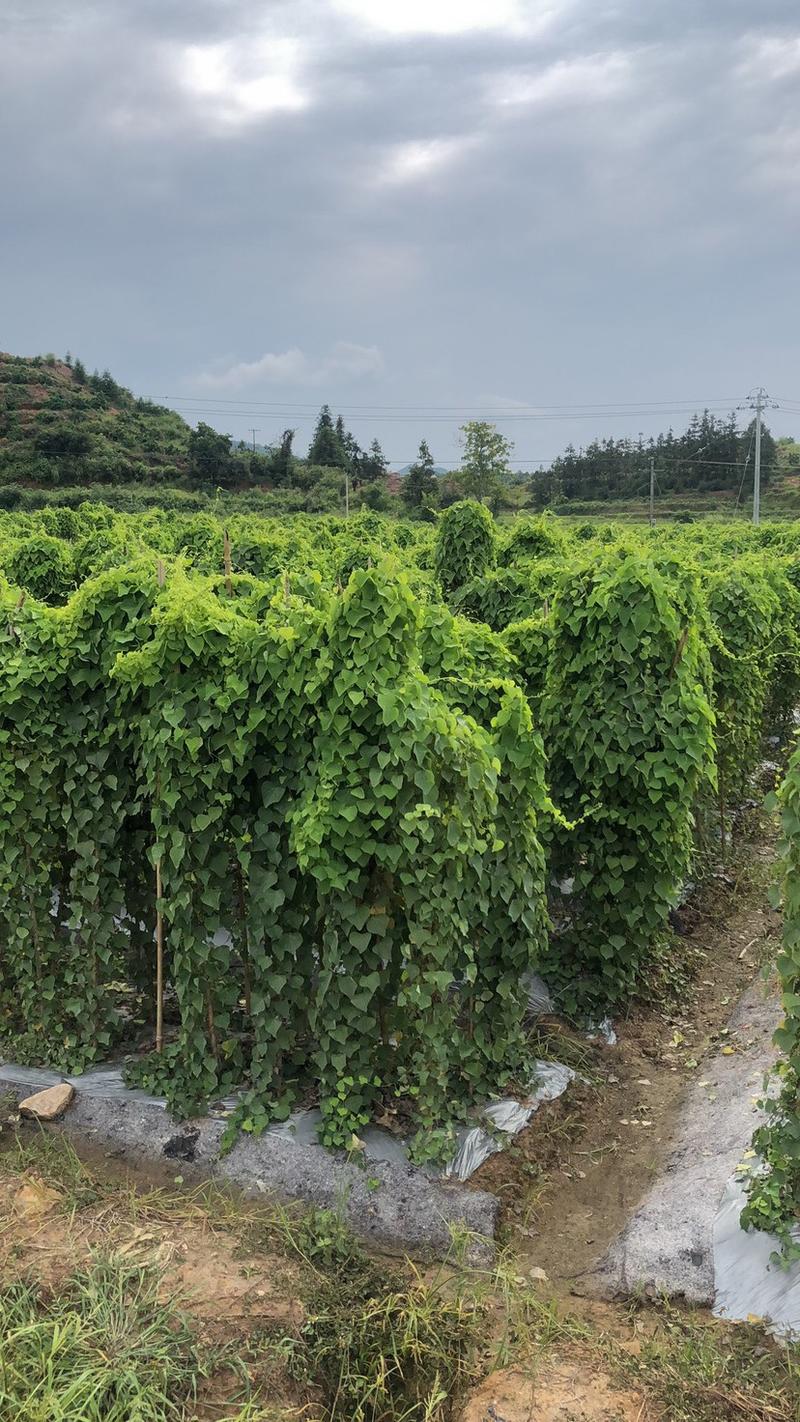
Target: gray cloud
column 556, row 202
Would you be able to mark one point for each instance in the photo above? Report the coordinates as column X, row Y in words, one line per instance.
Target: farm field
column 290, row 809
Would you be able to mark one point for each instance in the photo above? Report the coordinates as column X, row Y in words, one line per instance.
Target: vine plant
column 629, row 732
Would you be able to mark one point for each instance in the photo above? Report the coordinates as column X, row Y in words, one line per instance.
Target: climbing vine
column 281, row 825
column 629, row 732
column 465, row 545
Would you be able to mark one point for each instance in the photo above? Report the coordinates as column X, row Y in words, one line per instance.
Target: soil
column 44, row 1238
column 570, row 1391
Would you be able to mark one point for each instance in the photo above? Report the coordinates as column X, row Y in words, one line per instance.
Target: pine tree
column 373, row 464
column 420, row 486
column 326, row 446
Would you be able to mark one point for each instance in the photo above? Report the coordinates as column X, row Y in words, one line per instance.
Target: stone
column 48, row 1105
column 34, row 1198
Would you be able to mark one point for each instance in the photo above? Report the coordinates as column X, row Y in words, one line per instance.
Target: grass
column 387, row 1349
column 699, row 1371
column 378, row 1342
column 104, row 1348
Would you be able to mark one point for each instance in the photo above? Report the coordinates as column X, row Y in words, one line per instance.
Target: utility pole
column 757, row 474
column 346, row 492
column 652, row 491
column 255, row 429
column 758, row 401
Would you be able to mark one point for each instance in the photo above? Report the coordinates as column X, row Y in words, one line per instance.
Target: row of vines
column 302, row 802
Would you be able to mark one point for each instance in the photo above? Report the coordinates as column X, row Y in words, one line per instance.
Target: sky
column 572, row 217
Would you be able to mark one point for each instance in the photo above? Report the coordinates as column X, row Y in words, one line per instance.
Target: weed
column 705, row 1372
column 104, row 1349
column 55, row 1158
column 385, row 1348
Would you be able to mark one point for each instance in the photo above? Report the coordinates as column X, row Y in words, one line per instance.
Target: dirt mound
column 571, row 1391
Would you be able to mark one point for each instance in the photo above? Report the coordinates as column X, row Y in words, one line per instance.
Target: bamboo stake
column 159, row 966
column 37, row 955
column 161, row 573
column 246, row 931
column 212, row 1031
column 226, row 554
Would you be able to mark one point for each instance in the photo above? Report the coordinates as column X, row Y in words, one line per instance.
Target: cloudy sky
column 417, row 210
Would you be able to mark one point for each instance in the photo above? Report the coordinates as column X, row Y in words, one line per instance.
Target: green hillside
column 60, row 425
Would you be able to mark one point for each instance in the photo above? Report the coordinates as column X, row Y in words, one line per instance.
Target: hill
column 438, row 469
column 60, row 425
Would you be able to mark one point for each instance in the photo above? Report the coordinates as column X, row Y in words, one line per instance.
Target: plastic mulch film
column 749, row 1283
column 602, row 1032
column 539, row 1000
column 475, row 1143
column 98, row 1081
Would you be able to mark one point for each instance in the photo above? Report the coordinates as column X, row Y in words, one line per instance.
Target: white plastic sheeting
column 602, row 1031
column 98, row 1081
column 747, row 1283
column 477, row 1143
column 540, row 1002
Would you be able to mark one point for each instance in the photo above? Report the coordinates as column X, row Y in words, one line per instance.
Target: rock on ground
column 48, row 1105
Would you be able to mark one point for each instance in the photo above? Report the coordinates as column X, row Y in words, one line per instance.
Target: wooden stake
column 161, row 572
column 679, row 649
column 246, row 932
column 226, row 554
column 37, row 956
column 212, row 1031
column 159, row 966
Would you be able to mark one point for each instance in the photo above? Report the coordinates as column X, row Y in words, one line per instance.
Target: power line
column 589, row 405
column 301, row 418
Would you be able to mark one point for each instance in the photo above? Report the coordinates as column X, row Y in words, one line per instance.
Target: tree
column 210, row 457
column 420, row 485
column 326, row 446
column 375, row 496
column 787, row 451
column 373, row 464
column 485, row 467
column 282, row 460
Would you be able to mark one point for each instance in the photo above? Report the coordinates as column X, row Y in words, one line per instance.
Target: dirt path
column 570, row 1182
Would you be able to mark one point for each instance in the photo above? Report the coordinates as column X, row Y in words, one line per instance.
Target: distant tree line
column 61, row 425
column 713, row 454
